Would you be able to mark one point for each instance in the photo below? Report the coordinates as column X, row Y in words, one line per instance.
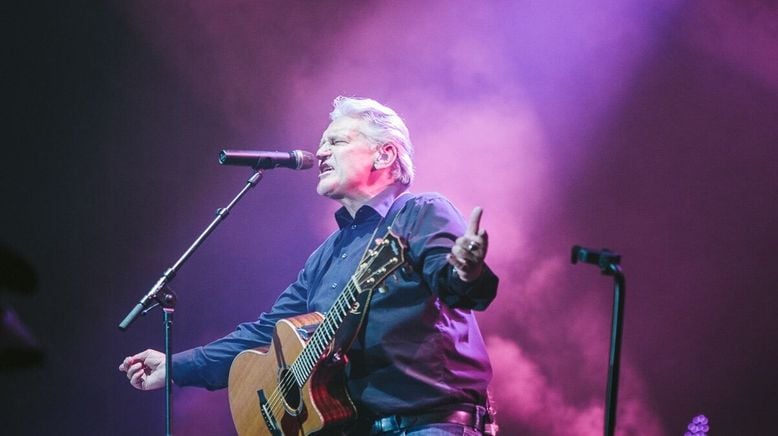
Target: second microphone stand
column 608, row 262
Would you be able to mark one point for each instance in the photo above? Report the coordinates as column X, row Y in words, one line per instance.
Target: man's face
column 345, row 160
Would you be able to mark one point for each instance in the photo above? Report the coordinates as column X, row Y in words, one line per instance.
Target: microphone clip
column 607, row 260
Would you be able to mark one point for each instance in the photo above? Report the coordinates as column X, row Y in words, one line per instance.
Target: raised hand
column 469, row 251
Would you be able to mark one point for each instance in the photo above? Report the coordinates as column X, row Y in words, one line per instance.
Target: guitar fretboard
column 388, row 255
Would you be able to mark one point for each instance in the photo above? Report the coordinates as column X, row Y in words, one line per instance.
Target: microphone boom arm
column 153, row 294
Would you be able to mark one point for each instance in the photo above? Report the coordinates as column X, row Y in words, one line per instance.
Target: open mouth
column 324, row 168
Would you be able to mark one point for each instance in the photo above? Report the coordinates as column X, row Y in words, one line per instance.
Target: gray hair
column 385, row 127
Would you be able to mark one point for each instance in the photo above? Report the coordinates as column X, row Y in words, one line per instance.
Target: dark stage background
column 646, row 127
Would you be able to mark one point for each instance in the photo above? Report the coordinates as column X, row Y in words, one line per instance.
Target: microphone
column 603, row 258
column 266, row 160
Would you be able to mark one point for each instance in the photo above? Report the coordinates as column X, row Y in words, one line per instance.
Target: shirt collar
column 378, row 205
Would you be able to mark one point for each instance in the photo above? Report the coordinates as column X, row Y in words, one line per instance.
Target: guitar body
column 294, row 387
column 266, row 400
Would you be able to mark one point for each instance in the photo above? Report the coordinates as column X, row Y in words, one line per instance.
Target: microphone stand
column 614, row 359
column 608, row 262
column 161, row 295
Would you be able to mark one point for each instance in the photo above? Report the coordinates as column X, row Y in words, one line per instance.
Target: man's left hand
column 469, row 251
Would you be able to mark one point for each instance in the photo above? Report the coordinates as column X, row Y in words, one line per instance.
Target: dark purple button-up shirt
column 420, row 348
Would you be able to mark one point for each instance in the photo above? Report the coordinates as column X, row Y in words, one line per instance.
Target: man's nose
column 323, row 151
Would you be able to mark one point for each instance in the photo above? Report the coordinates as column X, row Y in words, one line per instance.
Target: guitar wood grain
column 324, row 400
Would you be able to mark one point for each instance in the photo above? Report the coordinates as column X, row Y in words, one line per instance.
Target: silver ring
column 472, row 246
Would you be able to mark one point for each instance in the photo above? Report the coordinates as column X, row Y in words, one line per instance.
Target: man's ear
column 387, row 155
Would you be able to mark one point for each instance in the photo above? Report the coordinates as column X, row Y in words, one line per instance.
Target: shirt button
column 334, row 285
column 343, row 256
column 353, row 227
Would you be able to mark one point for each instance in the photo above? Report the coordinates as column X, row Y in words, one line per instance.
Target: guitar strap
column 391, row 215
column 351, row 326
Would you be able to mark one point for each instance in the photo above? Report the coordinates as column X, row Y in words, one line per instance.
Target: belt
column 393, row 423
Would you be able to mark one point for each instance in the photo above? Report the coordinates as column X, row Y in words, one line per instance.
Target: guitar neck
column 324, row 334
column 376, row 264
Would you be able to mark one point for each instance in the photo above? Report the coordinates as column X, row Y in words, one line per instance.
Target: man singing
column 418, row 366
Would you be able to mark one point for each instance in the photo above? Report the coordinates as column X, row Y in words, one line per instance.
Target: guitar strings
column 288, row 380
column 276, row 399
column 309, row 358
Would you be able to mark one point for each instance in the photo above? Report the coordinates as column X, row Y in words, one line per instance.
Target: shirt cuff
column 473, row 295
column 185, row 369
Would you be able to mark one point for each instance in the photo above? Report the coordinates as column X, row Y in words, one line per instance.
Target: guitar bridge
column 267, row 415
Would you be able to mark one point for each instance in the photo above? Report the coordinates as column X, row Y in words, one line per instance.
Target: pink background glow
column 646, row 127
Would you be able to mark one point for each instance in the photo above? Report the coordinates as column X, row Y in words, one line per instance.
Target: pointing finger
column 475, row 221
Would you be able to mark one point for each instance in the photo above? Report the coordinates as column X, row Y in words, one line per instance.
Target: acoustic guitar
column 297, row 385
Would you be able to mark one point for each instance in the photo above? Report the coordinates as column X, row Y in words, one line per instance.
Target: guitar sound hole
column 291, row 390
